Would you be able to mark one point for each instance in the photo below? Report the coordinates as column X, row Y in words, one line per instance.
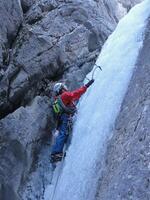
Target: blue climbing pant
column 62, row 136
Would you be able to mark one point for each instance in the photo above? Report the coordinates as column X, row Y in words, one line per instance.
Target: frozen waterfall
column 98, row 108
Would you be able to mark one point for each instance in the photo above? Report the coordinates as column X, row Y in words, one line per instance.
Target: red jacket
column 68, row 98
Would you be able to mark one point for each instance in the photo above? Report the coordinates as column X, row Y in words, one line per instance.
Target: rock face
column 11, row 17
column 10, row 21
column 124, row 6
column 128, row 4
column 26, row 4
column 127, row 163
column 58, row 39
column 21, row 134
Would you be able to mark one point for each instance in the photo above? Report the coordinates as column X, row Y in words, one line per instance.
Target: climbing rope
column 70, row 124
column 59, row 174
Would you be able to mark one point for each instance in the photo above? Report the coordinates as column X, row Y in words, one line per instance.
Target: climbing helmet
column 58, row 87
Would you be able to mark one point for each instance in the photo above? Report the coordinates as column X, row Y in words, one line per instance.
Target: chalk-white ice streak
column 100, row 105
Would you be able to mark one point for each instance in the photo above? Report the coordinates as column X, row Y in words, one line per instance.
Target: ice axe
column 97, row 67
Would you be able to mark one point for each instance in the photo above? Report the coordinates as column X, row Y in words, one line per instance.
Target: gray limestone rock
column 124, row 6
column 10, row 20
column 11, row 17
column 57, row 36
column 128, row 4
column 126, row 173
column 21, row 135
column 26, row 4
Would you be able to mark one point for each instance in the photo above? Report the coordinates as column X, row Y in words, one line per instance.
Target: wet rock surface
column 127, row 163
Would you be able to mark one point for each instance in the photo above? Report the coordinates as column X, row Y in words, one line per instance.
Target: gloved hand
column 89, row 83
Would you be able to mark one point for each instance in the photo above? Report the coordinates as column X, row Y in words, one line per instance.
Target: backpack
column 59, row 107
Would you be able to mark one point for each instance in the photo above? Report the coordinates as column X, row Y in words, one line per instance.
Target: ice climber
column 64, row 107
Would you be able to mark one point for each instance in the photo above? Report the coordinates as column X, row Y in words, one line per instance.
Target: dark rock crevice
column 26, row 4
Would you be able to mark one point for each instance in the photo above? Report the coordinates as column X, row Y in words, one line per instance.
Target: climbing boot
column 56, row 157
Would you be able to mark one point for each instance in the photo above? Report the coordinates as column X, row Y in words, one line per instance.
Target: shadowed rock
column 21, row 134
